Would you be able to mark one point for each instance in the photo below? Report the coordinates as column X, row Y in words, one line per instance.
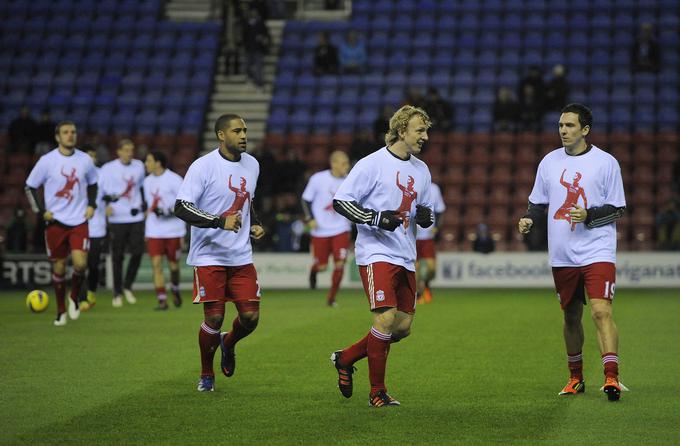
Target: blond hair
column 400, row 119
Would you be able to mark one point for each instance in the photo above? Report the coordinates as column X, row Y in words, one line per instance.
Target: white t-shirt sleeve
column 614, row 192
column 192, row 185
column 310, row 190
column 539, row 194
column 357, row 185
column 38, row 175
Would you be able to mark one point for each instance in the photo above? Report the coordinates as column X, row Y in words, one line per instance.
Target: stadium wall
column 454, row 270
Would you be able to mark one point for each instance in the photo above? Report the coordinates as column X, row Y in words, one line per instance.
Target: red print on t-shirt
column 241, row 196
column 67, row 190
column 408, row 195
column 574, row 191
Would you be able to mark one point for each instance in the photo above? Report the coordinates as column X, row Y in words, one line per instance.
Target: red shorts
column 170, row 247
column 425, row 249
column 390, row 286
column 322, row 247
column 599, row 280
column 236, row 284
column 61, row 239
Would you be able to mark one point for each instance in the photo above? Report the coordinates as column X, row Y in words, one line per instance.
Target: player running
column 426, row 265
column 70, row 191
column 220, row 250
column 582, row 244
column 386, row 246
column 163, row 231
column 330, row 234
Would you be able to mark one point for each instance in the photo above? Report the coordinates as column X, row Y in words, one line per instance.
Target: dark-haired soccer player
column 97, row 234
column 70, row 190
column 330, row 234
column 121, row 181
column 581, row 188
column 216, row 200
column 164, row 232
column 386, row 194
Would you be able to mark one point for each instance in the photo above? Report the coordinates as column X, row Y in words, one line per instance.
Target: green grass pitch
column 481, row 367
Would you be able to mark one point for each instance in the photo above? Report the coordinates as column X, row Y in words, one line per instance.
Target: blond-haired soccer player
column 386, row 194
column 581, row 239
column 216, row 200
column 330, row 234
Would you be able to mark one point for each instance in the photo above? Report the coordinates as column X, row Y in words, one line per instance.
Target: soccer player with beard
column 581, row 240
column 330, row 234
column 70, row 191
column 386, row 194
column 163, row 231
column 216, row 199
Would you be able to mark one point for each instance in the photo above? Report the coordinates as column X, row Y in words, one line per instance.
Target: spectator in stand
column 256, row 41
column 44, row 134
column 668, row 226
column 413, row 97
column 440, row 111
column 530, row 109
column 325, row 56
column 483, row 241
column 646, row 51
column 362, row 145
column 352, row 54
column 380, row 126
column 557, row 89
column 17, row 231
column 22, row 132
column 533, row 77
column 505, row 111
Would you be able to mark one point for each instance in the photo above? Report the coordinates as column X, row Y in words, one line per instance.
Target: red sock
column 378, row 346
column 575, row 364
column 610, row 361
column 160, row 294
column 208, row 340
column 335, row 285
column 76, row 283
column 238, row 332
column 60, row 292
column 354, row 352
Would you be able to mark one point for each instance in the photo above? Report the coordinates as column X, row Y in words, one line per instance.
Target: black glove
column 389, row 220
column 110, row 198
column 134, row 211
column 424, row 216
column 159, row 212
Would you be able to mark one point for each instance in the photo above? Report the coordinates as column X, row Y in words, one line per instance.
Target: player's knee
column 249, row 319
column 214, row 320
column 398, row 335
column 601, row 316
column 174, row 266
column 321, row 268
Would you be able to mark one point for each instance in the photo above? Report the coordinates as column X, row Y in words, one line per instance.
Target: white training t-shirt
column 97, row 224
column 439, row 207
column 161, row 192
column 65, row 179
column 381, row 181
column 320, row 191
column 591, row 179
column 221, row 187
column 125, row 182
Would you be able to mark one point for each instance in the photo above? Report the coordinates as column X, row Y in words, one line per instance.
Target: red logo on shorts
column 67, row 190
column 574, row 191
column 241, row 195
column 408, row 196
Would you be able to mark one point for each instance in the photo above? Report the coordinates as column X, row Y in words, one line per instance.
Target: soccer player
column 97, row 234
column 581, row 239
column 330, row 234
column 384, row 194
column 121, row 183
column 70, row 191
column 164, row 232
column 426, row 265
column 216, row 199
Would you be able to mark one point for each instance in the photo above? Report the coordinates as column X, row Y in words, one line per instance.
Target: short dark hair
column 585, row 116
column 60, row 124
column 160, row 157
column 223, row 120
column 124, row 142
